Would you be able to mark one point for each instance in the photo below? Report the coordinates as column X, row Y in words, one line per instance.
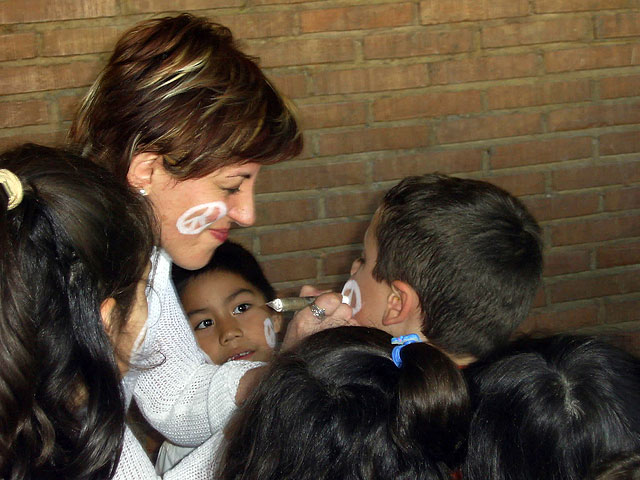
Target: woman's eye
column 242, row 308
column 232, row 191
column 206, row 323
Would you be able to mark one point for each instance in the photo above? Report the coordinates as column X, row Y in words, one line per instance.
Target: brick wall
column 540, row 97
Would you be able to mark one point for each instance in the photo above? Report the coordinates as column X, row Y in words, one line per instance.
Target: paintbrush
column 293, row 304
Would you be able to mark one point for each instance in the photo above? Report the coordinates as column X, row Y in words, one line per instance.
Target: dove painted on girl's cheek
column 197, row 219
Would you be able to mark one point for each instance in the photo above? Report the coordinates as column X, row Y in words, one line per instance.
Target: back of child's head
column 76, row 238
column 551, row 409
column 337, row 406
column 471, row 251
column 228, row 257
column 625, row 466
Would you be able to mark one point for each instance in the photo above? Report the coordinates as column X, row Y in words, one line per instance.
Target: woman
column 186, row 118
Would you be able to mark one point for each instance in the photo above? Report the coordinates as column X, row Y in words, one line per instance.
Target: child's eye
column 206, row 323
column 242, row 308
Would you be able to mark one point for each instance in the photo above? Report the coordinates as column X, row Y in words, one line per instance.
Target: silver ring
column 317, row 312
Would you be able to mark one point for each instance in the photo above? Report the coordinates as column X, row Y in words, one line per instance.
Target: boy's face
column 368, row 296
column 229, row 317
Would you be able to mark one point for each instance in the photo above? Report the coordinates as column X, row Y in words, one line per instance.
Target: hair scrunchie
column 13, row 186
column 402, row 342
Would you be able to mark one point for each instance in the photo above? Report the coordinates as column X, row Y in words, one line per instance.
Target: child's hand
column 305, row 323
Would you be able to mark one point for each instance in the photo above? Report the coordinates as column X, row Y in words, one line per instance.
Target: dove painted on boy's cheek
column 269, row 332
column 351, row 290
column 197, row 219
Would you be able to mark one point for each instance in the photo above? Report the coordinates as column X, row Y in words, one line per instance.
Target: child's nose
column 229, row 332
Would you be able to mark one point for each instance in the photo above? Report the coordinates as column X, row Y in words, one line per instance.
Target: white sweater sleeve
column 199, row 464
column 180, row 394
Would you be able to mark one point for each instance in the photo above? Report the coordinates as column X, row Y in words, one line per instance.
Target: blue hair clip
column 401, row 342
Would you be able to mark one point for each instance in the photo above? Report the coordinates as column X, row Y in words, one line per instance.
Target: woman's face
column 195, row 215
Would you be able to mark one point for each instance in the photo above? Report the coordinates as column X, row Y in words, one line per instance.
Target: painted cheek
column 351, row 290
column 197, row 219
column 269, row 333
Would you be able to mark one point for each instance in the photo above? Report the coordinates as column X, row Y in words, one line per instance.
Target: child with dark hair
column 552, row 409
column 345, row 403
column 73, row 272
column 456, row 261
column 224, row 302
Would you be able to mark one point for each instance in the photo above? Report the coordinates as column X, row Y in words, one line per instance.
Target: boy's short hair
column 180, row 87
column 470, row 250
column 228, row 257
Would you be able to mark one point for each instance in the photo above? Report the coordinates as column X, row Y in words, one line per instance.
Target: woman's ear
column 107, row 313
column 142, row 169
column 402, row 304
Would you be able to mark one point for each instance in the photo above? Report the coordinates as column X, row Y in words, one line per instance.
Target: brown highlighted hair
column 180, row 87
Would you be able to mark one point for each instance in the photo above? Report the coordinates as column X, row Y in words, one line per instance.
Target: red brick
column 293, row 86
column 154, row 6
column 553, row 321
column 623, row 311
column 595, row 176
column 617, row 143
column 540, row 31
column 623, row 199
column 510, row 96
column 74, row 41
column 450, row 161
column 539, row 152
column 339, row 263
column 373, row 139
column 495, row 126
column 419, row 43
column 484, row 68
column 618, row 25
column 276, row 2
column 356, row 18
column 593, row 116
column 52, row 138
column 286, row 211
column 290, row 269
column 595, row 230
column 353, row 203
column 540, row 299
column 427, row 105
column 617, row 255
column 30, row 112
column 561, row 262
column 16, row 11
column 370, row 79
column 587, row 58
column 519, row 184
column 16, row 46
column 550, row 207
column 68, row 105
column 310, row 177
column 34, row 78
column 616, row 87
column 550, row 6
column 309, row 237
column 303, row 52
column 332, row 114
column 259, row 25
column 594, row 287
column 446, row 11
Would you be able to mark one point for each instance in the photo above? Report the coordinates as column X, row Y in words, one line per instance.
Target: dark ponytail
column 336, row 406
column 77, row 238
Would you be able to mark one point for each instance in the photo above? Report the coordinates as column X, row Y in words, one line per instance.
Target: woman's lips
column 220, row 234
column 241, row 356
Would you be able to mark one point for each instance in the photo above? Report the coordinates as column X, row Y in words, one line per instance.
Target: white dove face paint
column 198, row 218
column 269, row 332
column 351, row 290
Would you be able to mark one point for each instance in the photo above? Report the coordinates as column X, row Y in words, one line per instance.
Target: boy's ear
column 402, row 302
column 142, row 169
column 106, row 312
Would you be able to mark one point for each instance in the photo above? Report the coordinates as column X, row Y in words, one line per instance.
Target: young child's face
column 229, row 317
column 368, row 296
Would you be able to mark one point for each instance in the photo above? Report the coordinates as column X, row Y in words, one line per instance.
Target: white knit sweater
column 180, row 394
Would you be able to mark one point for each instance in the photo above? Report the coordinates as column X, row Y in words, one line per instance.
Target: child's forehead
column 222, row 277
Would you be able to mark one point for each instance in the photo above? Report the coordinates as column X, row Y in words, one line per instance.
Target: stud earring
column 143, row 192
